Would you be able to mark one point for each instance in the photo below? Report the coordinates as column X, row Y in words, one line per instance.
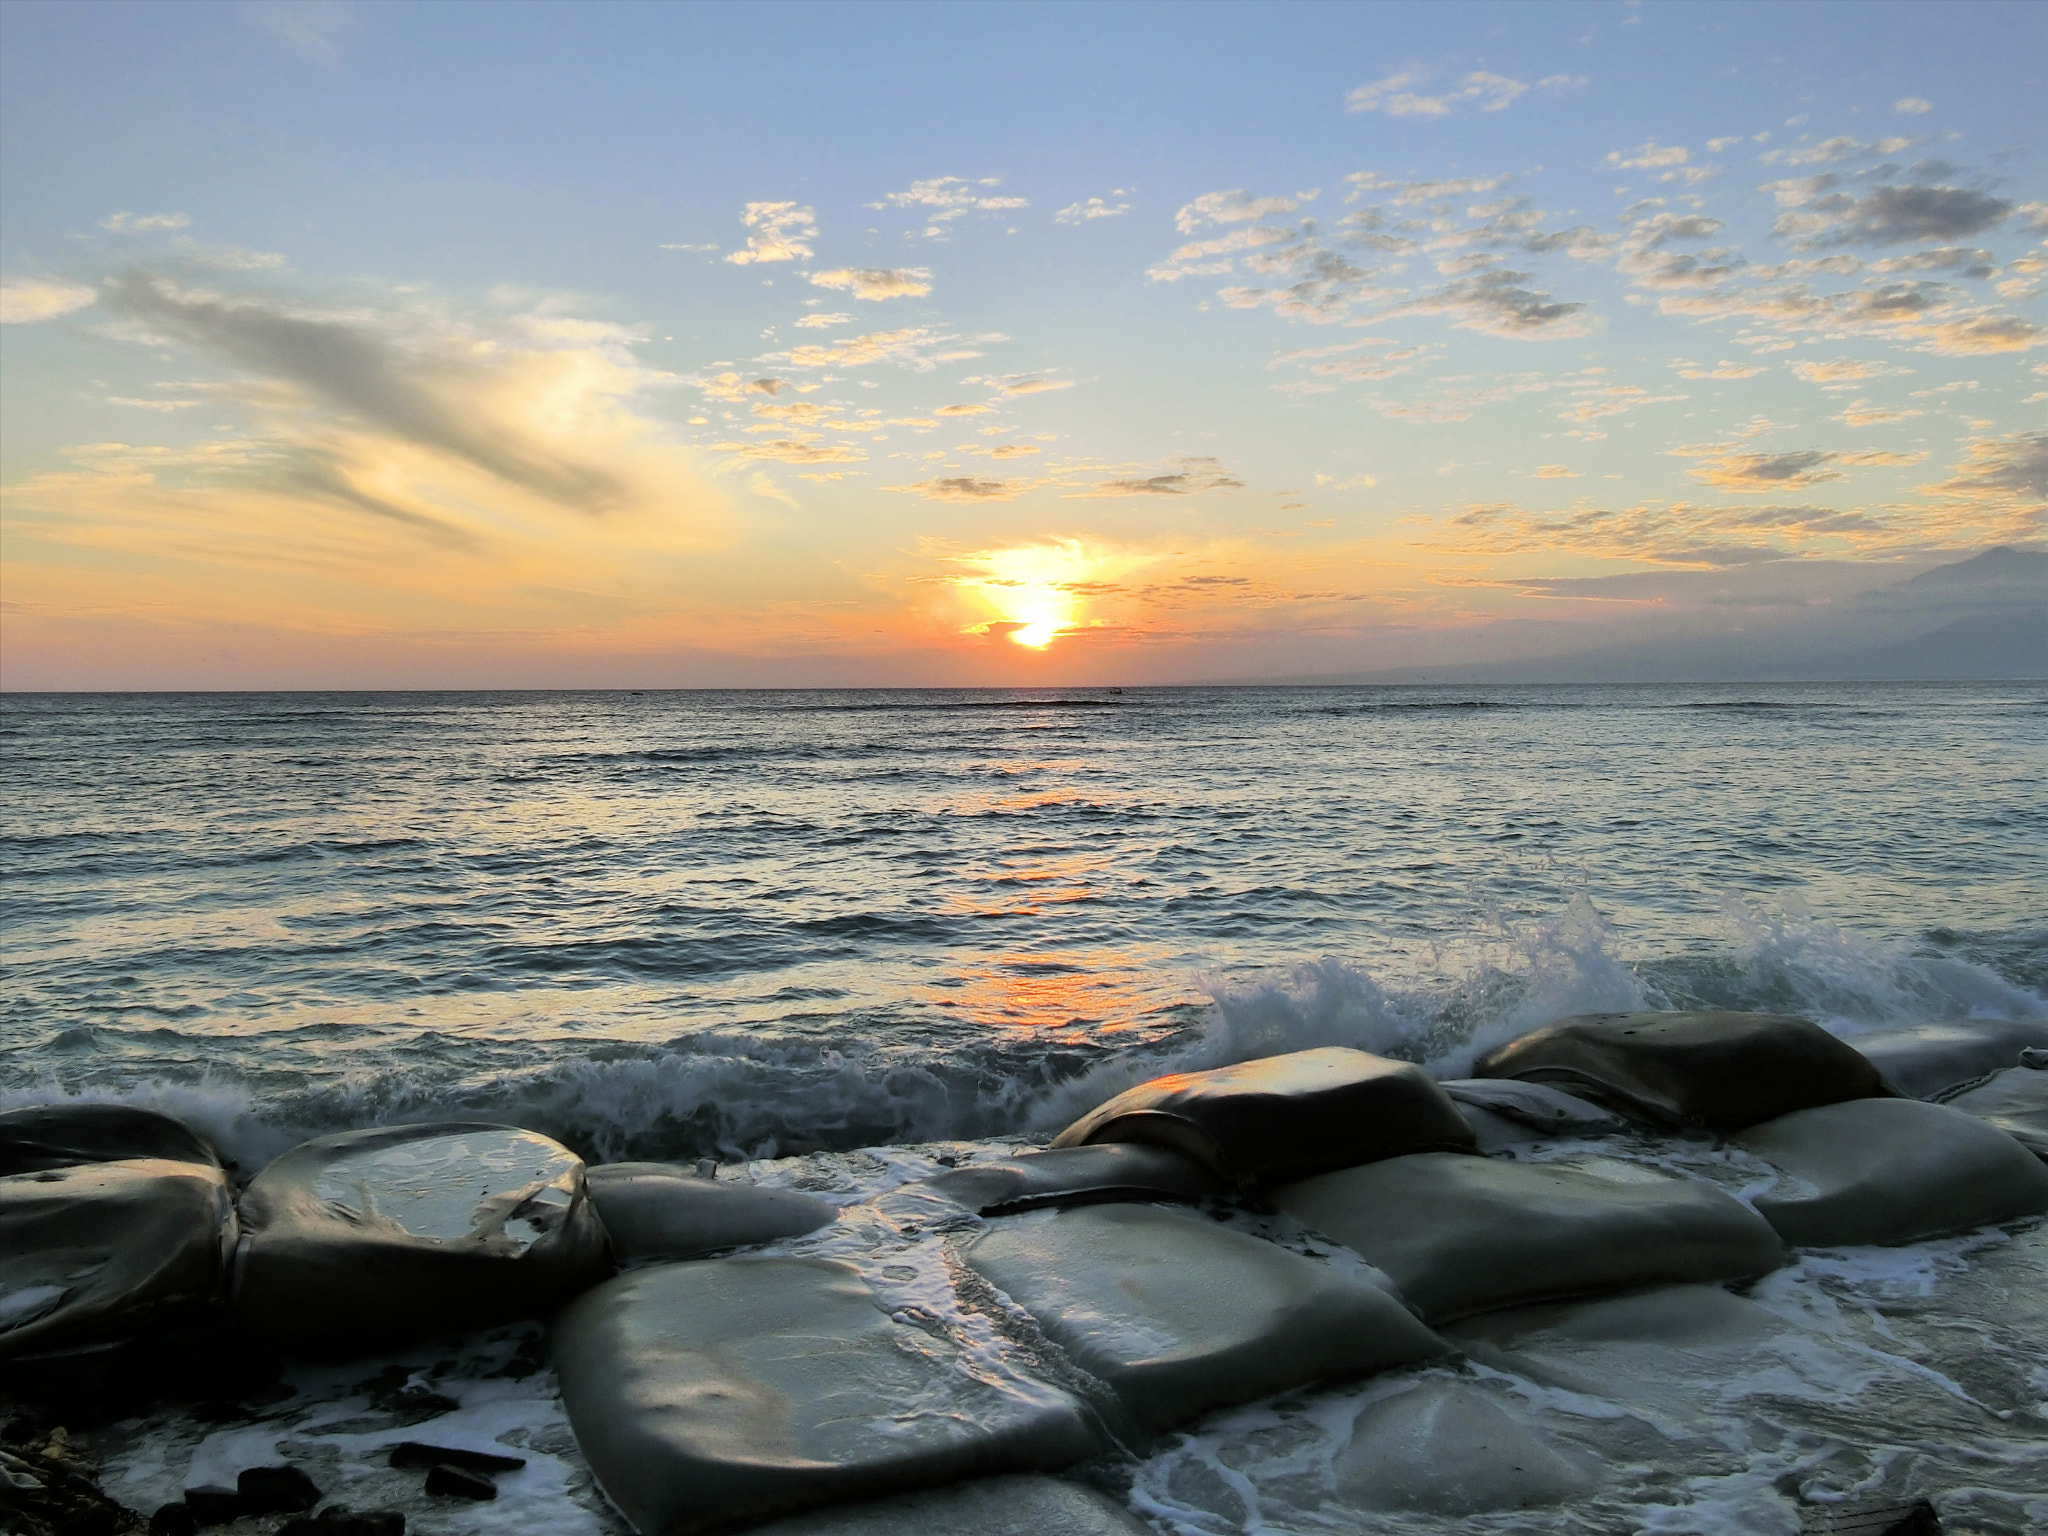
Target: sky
column 386, row 345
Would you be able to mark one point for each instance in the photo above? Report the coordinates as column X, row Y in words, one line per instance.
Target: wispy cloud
column 144, row 223
column 875, row 283
column 1188, row 475
column 1405, row 93
column 312, row 29
column 23, row 301
column 1092, row 208
column 781, row 232
column 966, row 488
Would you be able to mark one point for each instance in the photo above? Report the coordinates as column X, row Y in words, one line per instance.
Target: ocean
column 751, row 924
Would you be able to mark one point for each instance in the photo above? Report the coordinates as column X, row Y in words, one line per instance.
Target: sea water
column 827, row 938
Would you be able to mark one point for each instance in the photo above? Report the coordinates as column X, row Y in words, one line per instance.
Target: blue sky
column 365, row 344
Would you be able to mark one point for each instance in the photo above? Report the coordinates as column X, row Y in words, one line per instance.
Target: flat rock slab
column 2016, row 1101
column 1448, row 1448
column 1891, row 1171
column 1541, row 1108
column 1714, row 1071
column 1177, row 1314
column 1023, row 1504
column 45, row 1136
column 721, row 1391
column 411, row 1230
column 1282, row 1117
column 101, row 1251
column 664, row 1211
column 1090, row 1175
column 1932, row 1061
column 1462, row 1234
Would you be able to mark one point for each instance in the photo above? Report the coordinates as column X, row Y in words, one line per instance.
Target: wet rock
column 665, row 1211
column 1462, row 1234
column 1891, row 1171
column 95, row 1252
column 1540, row 1108
column 337, row 1520
column 211, row 1504
column 2016, row 1101
column 448, row 1482
column 1933, row 1061
column 276, row 1491
column 1022, row 1504
column 1871, row 1517
column 1447, row 1448
column 1177, row 1314
column 711, row 1393
column 1108, row 1173
column 412, row 1453
column 406, row 1231
column 46, row 1136
column 1282, row 1117
column 173, row 1520
column 1715, row 1071
column 48, row 1489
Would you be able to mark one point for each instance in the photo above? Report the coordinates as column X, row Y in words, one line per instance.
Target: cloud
column 165, row 406
column 1093, row 208
column 1842, row 370
column 1498, row 302
column 1190, row 475
column 1912, row 106
column 23, row 301
column 822, row 321
column 1819, row 214
column 1410, row 194
column 1593, row 401
column 780, row 233
column 1721, row 370
column 709, row 245
column 1014, row 384
column 908, row 347
column 1862, row 413
column 1555, row 472
column 1232, row 207
column 2010, row 471
column 1323, row 289
column 313, row 29
column 1834, row 151
column 142, row 223
column 803, row 449
column 876, row 283
column 1398, row 95
column 1753, row 473
column 966, row 488
column 1681, row 534
column 1650, row 155
column 963, row 410
column 1360, row 482
column 731, row 386
column 953, row 197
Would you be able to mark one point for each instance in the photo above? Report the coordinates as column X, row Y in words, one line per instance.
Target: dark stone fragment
column 1713, row 1071
column 1938, row 1060
column 276, row 1491
column 46, row 1136
column 173, row 1520
column 1864, row 1517
column 664, row 1211
column 1108, row 1173
column 413, row 1453
column 1284, row 1117
column 213, row 1505
column 337, row 1520
column 459, row 1483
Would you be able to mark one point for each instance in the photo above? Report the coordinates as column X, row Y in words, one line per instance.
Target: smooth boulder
column 1504, row 1112
column 2016, row 1101
column 1933, row 1061
column 662, row 1211
column 713, row 1393
column 1020, row 1504
column 411, row 1230
column 1460, row 1235
column 65, row 1135
column 1094, row 1175
column 1709, row 1071
column 1448, row 1448
column 1177, row 1314
column 97, row 1252
column 1282, row 1117
column 1891, row 1171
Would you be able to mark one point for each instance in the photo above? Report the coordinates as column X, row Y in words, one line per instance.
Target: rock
column 411, row 1453
column 1932, row 1061
column 1716, row 1071
column 1446, row 1448
column 275, row 1491
column 1463, row 1234
column 211, row 1504
column 1541, row 1108
column 173, row 1520
column 404, row 1231
column 720, row 1391
column 1282, row 1117
column 460, row 1483
column 665, row 1211
column 1891, row 1171
column 1022, row 1504
column 1870, row 1517
column 2016, row 1101
column 1107, row 1173
column 45, row 1136
column 1177, row 1314
column 92, row 1252
column 47, row 1489
column 336, row 1520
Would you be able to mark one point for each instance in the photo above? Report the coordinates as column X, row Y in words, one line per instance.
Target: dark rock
column 1020, row 1504
column 1536, row 1106
column 2016, row 1101
column 173, row 1520
column 449, row 1482
column 413, row 1453
column 97, row 1252
column 1714, row 1071
column 48, row 1489
column 1447, row 1448
column 408, row 1231
column 1103, row 1174
column 276, row 1491
column 1283, row 1117
column 46, row 1136
column 666, row 1211
column 1866, row 1517
column 212, row 1504
column 337, row 1520
column 1934, row 1061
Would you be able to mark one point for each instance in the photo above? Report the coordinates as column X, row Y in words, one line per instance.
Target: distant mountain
column 1981, row 618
